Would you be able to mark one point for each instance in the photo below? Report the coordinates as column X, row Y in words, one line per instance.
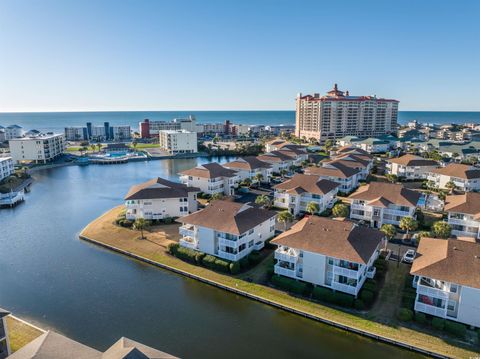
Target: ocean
column 57, row 121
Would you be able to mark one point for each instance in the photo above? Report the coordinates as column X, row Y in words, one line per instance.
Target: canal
column 49, row 276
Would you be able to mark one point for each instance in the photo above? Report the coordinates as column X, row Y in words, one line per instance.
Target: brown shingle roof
column 159, row 188
column 275, row 156
column 228, row 217
column 412, row 160
column 339, row 239
column 468, row 203
column 247, row 163
column 450, row 260
column 127, row 348
column 353, row 150
column 335, row 169
column 307, row 183
column 377, row 193
column 459, row 171
column 209, row 170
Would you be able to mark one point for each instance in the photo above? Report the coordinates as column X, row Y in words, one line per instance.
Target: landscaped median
column 153, row 250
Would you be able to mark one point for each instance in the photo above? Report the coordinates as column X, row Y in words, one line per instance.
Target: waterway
column 49, row 276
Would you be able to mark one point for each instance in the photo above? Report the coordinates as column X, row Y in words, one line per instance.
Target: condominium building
column 159, row 199
column 76, row 133
column 464, row 177
column 120, row 133
column 211, row 178
column 346, row 177
column 464, row 214
column 361, row 162
column 13, row 131
column 410, row 167
column 446, row 279
column 383, row 203
column 39, row 149
column 6, row 167
column 252, row 168
column 4, row 340
column 228, row 230
column 279, row 160
column 179, row 141
column 329, row 253
column 296, row 193
column 3, row 136
column 338, row 114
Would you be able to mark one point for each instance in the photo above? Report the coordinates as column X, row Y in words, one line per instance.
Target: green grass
column 20, row 333
column 145, row 145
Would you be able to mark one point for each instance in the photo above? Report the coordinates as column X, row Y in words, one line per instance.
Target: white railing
column 371, row 272
column 227, row 242
column 431, row 292
column 187, row 231
column 229, row 256
column 189, row 242
column 344, row 288
column 259, row 245
column 345, row 272
column 288, row 256
column 464, row 222
column 285, row 271
column 396, row 212
column 430, row 309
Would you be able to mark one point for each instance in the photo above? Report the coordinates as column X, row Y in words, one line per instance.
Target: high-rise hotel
column 338, row 114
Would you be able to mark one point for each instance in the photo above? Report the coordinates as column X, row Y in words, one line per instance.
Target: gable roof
column 468, row 203
column 381, row 194
column 209, row 170
column 159, row 188
column 458, row 170
column 450, row 260
column 333, row 169
column 229, row 217
column 412, row 160
column 247, row 163
column 126, row 348
column 339, row 239
column 275, row 156
column 301, row 183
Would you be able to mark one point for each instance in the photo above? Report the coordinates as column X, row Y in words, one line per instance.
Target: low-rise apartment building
column 39, row 149
column 466, row 178
column 178, row 141
column 211, row 178
column 346, row 177
column 296, row 193
column 329, row 253
column 4, row 340
column 383, row 203
column 464, row 214
column 228, row 230
column 6, row 167
column 159, row 199
column 410, row 167
column 13, row 131
column 447, row 280
column 250, row 167
column 278, row 160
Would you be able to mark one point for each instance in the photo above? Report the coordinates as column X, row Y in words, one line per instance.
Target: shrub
column 172, row 248
column 371, row 286
column 380, row 263
column 235, row 267
column 254, row 257
column 359, row 304
column 408, row 299
column 199, row 257
column 288, row 284
column 457, row 329
column 367, row 296
column 324, row 294
column 405, row 315
column 168, row 220
column 438, row 323
column 209, row 261
column 186, row 254
column 344, row 300
column 420, row 318
column 244, row 262
column 222, row 265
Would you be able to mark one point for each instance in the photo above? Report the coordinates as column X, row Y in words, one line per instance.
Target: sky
column 87, row 55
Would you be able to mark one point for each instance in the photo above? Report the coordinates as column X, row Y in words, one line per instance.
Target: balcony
column 229, row 256
column 187, row 230
column 189, row 242
column 344, row 288
column 371, row 272
column 337, row 270
column 285, row 271
column 430, row 309
column 289, row 255
column 227, row 242
column 425, row 288
column 464, row 222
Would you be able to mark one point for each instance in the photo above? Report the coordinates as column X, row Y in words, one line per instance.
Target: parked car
column 409, row 256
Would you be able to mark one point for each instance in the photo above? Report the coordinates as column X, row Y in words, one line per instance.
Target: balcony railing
column 371, row 272
column 188, row 231
column 286, row 255
column 464, row 222
column 337, row 270
column 189, row 242
column 344, row 288
column 426, row 289
column 229, row 256
column 284, row 271
column 430, row 309
column 227, row 242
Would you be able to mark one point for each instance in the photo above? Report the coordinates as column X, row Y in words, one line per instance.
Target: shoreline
column 283, row 301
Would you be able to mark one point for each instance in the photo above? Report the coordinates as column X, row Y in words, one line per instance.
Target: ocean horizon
column 57, row 121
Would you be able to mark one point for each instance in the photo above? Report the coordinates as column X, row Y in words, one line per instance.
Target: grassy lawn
column 252, row 282
column 20, row 333
column 144, row 145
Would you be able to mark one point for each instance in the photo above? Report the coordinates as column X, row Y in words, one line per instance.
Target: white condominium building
column 346, row 177
column 252, row 168
column 338, row 114
column 383, row 203
column 4, row 340
column 6, row 167
column 446, row 276
column 76, row 133
column 211, row 178
column 159, row 199
column 329, row 253
column 228, row 230
column 40, row 149
column 121, row 133
column 466, row 178
column 464, row 214
column 296, row 193
column 180, row 141
column 410, row 167
column 279, row 160
column 13, row 131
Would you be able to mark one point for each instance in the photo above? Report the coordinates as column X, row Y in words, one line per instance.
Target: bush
column 222, row 265
column 235, row 267
column 408, row 299
column 367, row 296
column 288, row 284
column 380, row 263
column 344, row 300
column 457, row 329
column 168, row 220
column 359, row 304
column 254, row 258
column 209, row 261
column 420, row 318
column 244, row 262
column 370, row 286
column 324, row 294
column 199, row 257
column 438, row 323
column 405, row 315
column 186, row 254
column 172, row 248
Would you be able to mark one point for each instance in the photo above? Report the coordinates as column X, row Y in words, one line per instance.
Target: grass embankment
column 20, row 333
column 139, row 146
column 105, row 231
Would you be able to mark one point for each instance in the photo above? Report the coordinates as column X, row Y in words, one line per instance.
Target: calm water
column 56, row 121
column 49, row 276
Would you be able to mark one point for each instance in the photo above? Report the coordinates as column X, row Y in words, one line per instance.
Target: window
column 250, row 244
column 250, row 231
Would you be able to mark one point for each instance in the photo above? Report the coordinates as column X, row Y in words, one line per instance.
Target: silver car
column 409, row 256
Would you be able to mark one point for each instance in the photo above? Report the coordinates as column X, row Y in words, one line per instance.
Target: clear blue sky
column 214, row 55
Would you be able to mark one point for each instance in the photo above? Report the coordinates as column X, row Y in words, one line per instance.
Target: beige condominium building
column 337, row 114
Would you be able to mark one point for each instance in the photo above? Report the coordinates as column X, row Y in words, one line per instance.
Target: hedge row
column 290, row 285
column 338, row 298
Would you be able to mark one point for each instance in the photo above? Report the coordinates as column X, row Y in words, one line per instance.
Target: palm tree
column 285, row 217
column 408, row 224
column 258, row 177
column 312, row 208
column 99, row 146
column 217, row 196
column 247, row 182
column 140, row 224
column 441, row 229
column 451, row 186
column 92, row 146
column 391, row 178
column 328, row 145
column 263, row 200
column 389, row 230
column 134, row 144
column 340, row 210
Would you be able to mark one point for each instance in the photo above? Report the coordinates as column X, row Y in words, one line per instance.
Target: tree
column 140, row 224
column 247, row 182
column 312, row 208
column 285, row 217
column 441, row 229
column 217, row 196
column 389, row 230
column 408, row 224
column 258, row 177
column 263, row 200
column 283, row 172
column 442, row 196
column 92, row 146
column 328, row 145
column 340, row 210
column 451, row 186
column 134, row 144
column 391, row 178
column 99, row 146
column 305, row 163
